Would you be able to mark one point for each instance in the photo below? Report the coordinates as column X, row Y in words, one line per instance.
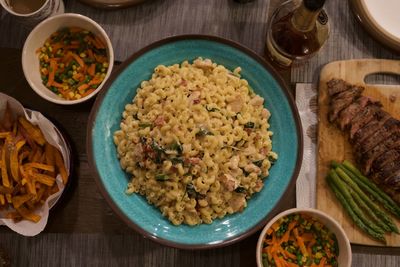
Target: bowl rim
column 300, row 210
column 122, row 67
column 49, row 20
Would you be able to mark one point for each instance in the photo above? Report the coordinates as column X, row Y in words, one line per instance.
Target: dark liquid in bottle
column 292, row 41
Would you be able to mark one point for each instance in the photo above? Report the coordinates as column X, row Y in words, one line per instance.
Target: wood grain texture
column 333, row 143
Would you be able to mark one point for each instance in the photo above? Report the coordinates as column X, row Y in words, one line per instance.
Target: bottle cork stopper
column 314, row 5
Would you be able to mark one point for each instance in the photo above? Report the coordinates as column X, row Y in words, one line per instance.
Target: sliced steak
column 388, row 128
column 336, row 86
column 370, row 128
column 385, row 158
column 348, row 113
column 393, row 180
column 342, row 100
column 369, row 113
column 392, row 192
column 386, row 172
column 370, row 156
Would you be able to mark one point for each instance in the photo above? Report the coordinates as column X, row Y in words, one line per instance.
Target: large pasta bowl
column 134, row 209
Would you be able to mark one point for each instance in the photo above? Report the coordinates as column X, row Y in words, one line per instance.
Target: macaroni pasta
column 195, row 140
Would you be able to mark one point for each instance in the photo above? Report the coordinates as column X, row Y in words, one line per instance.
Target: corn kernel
column 46, row 57
column 50, row 49
column 82, row 55
column 78, row 96
column 318, row 255
column 47, row 44
column 73, row 67
column 71, row 94
column 74, row 72
column 65, row 87
column 43, row 49
column 105, row 64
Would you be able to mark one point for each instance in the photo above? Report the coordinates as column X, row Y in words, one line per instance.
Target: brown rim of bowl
column 122, row 67
column 373, row 28
column 103, row 4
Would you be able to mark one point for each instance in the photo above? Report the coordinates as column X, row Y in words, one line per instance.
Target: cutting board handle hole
column 382, row 78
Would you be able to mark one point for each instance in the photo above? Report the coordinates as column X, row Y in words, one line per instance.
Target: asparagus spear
column 371, row 188
column 345, row 190
column 370, row 212
column 378, row 211
column 351, row 213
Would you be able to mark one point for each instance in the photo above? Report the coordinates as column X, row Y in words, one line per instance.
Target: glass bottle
column 296, row 32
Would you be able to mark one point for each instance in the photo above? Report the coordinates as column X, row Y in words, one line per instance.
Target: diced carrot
column 307, row 237
column 90, row 53
column 300, row 242
column 285, row 237
column 52, row 72
column 83, row 87
column 56, row 84
column 91, row 70
column 322, row 262
column 56, row 47
column 287, row 254
column 95, row 80
column 79, row 60
column 277, row 260
column 88, row 92
column 77, row 76
column 99, row 42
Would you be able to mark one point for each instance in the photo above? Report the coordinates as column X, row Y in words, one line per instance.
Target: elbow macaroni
column 195, row 140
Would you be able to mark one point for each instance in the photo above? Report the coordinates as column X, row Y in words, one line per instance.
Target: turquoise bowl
column 135, row 210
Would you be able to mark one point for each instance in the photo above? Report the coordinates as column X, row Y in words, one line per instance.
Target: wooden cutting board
column 333, row 144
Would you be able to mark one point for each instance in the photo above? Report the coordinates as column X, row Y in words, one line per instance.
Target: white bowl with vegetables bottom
column 38, row 37
column 344, row 258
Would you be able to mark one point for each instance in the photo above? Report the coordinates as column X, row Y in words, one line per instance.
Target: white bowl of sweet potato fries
column 34, row 167
column 67, row 58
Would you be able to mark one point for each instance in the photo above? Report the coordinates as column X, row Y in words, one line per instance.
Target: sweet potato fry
column 19, row 200
column 28, row 215
column 38, row 155
column 60, row 166
column 40, row 166
column 28, row 167
column 4, row 135
column 5, row 190
column 14, row 160
column 33, row 131
column 4, row 173
column 8, row 198
column 43, row 178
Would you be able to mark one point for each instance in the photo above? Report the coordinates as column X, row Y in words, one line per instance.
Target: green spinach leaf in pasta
column 203, row 132
column 249, row 125
column 162, row 177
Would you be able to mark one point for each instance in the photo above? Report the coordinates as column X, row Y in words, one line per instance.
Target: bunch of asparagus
column 359, row 196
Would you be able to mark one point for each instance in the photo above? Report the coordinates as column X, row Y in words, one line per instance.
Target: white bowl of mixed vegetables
column 67, row 58
column 303, row 237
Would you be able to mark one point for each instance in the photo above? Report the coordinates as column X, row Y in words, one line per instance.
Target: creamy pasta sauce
column 195, row 140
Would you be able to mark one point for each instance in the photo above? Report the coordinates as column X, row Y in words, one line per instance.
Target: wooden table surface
column 84, row 231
